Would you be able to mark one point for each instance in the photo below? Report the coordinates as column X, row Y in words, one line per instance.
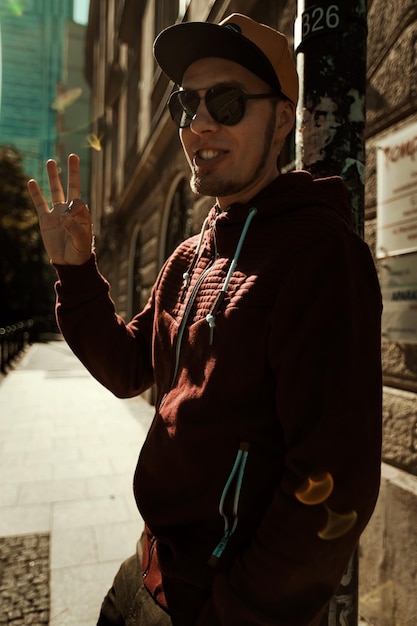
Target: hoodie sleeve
column 325, row 355
column 117, row 354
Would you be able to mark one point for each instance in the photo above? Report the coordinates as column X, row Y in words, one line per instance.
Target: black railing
column 13, row 339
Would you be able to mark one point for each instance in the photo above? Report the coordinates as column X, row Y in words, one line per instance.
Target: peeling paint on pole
column 330, row 43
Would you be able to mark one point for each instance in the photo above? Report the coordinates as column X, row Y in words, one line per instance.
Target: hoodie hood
column 291, row 192
column 295, row 193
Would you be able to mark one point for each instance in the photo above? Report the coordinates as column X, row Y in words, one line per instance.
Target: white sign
column 398, row 279
column 397, row 192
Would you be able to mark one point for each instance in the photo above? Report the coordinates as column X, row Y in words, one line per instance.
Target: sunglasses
column 226, row 104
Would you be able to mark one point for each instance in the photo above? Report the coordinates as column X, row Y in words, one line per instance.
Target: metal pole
column 330, row 41
column 331, row 61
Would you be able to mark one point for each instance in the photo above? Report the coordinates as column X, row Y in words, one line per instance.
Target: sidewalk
column 68, row 450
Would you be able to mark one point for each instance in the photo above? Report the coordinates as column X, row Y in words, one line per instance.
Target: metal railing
column 13, row 339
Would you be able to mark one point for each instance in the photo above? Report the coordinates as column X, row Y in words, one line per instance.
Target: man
column 262, row 335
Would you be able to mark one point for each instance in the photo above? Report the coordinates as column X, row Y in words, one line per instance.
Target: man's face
column 232, row 163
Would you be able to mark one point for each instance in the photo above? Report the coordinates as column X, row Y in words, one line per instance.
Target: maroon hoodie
column 261, row 467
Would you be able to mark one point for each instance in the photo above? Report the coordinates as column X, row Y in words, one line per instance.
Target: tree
column 26, row 277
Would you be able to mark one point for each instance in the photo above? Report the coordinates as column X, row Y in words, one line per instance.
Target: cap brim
column 178, row 46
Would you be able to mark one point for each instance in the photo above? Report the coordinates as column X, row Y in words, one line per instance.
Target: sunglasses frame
column 241, row 96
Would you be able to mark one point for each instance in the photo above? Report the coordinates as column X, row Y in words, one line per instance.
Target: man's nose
column 202, row 120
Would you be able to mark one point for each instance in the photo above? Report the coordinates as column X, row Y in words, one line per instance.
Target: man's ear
column 285, row 118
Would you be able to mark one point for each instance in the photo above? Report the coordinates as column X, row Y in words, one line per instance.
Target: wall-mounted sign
column 398, row 279
column 397, row 192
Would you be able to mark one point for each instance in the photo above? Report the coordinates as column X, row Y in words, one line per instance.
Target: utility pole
column 331, row 62
column 330, row 44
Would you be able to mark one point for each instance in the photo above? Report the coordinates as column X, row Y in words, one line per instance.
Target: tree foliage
column 26, row 278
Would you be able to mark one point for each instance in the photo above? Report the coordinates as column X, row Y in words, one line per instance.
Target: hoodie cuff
column 79, row 278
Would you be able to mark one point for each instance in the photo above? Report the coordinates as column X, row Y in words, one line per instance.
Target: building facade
column 142, row 207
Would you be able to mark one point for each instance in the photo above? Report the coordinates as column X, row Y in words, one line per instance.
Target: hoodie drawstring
column 211, row 316
column 230, row 526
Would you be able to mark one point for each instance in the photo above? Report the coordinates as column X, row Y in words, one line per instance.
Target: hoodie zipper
column 150, row 555
column 185, row 318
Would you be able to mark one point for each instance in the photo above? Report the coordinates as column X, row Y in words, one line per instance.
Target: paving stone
column 24, row 580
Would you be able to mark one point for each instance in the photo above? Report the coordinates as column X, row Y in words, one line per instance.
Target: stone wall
column 392, row 104
column 388, row 548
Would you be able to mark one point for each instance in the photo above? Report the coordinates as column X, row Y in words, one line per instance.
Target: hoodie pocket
column 229, row 501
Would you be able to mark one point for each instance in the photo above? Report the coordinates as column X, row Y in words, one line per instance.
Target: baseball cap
column 261, row 49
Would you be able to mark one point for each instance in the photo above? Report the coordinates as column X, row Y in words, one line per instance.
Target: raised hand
column 66, row 229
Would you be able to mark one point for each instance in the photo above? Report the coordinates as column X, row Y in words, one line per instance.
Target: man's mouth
column 207, row 155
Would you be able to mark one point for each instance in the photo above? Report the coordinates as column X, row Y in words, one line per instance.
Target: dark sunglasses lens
column 226, row 104
column 183, row 106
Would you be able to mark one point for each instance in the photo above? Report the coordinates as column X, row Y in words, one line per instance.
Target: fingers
column 78, row 225
column 57, row 193
column 39, row 201
column 74, row 185
column 55, row 185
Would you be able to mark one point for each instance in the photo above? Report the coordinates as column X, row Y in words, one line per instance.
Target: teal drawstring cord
column 211, row 317
column 229, row 528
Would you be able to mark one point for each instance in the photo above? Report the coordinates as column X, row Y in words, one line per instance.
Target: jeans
column 128, row 603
